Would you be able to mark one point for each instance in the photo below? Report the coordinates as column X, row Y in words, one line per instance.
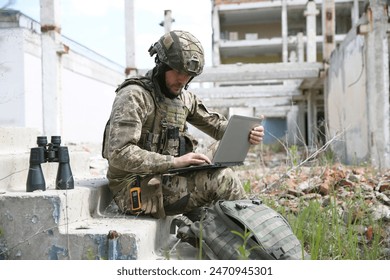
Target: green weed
column 242, row 249
column 329, row 234
column 247, row 186
column 294, row 155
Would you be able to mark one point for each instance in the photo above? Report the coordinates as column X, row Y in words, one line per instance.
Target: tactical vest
column 166, row 132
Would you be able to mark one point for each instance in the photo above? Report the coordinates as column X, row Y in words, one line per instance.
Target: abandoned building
column 282, row 32
column 306, row 66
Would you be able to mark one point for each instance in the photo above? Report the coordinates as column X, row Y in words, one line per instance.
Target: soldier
column 147, row 134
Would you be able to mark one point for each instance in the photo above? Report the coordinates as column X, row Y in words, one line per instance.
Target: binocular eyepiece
column 49, row 152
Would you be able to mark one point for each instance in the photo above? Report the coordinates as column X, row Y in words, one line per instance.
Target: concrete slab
column 76, row 224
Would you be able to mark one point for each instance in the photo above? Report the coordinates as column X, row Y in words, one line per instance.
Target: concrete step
column 15, row 145
column 76, row 224
column 81, row 223
column 14, row 169
column 121, row 237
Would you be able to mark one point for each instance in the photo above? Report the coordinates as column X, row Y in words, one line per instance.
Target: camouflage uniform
column 136, row 144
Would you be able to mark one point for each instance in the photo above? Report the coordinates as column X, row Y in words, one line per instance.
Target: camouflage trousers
column 183, row 193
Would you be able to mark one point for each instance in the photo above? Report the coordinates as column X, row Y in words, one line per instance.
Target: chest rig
column 166, row 135
column 165, row 131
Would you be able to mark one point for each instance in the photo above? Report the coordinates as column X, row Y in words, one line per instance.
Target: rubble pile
column 292, row 189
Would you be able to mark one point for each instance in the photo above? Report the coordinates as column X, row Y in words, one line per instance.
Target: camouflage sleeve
column 211, row 123
column 129, row 111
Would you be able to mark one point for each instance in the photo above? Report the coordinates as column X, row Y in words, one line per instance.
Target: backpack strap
column 185, row 234
column 182, row 223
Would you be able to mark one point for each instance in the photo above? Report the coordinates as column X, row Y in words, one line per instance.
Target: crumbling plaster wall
column 357, row 91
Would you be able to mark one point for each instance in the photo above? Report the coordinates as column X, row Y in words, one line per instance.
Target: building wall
column 87, row 88
column 347, row 101
column 357, row 93
column 86, row 107
column 12, row 94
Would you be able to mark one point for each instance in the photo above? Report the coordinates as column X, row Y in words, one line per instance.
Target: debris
column 330, row 185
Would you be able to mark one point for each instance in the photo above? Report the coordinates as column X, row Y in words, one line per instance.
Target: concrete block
column 120, row 237
column 76, row 224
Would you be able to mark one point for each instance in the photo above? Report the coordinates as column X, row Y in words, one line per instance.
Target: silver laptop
column 233, row 147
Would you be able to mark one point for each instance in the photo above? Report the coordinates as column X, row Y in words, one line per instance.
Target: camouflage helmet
column 181, row 51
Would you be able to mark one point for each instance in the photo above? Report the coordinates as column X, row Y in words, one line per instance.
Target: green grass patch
column 331, row 233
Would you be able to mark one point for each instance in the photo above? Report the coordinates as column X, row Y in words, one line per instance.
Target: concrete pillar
column 284, row 31
column 328, row 28
column 377, row 69
column 294, row 127
column 355, row 12
column 311, row 118
column 131, row 69
column 216, row 36
column 296, row 124
column 311, row 27
column 300, row 47
column 52, row 49
column 167, row 21
column 293, row 56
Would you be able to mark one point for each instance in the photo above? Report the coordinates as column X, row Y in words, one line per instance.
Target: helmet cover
column 181, row 51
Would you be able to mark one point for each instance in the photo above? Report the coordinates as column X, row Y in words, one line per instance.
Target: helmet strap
column 186, row 86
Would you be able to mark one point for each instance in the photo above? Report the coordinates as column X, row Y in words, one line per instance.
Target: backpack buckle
column 278, row 253
column 257, row 201
column 240, row 206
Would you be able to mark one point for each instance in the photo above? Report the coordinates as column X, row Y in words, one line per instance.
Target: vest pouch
column 170, row 141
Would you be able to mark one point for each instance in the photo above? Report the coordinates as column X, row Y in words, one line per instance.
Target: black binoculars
column 51, row 152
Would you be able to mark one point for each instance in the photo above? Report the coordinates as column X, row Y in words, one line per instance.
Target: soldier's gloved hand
column 152, row 198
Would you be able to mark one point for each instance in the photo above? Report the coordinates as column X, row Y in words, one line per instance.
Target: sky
column 99, row 24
